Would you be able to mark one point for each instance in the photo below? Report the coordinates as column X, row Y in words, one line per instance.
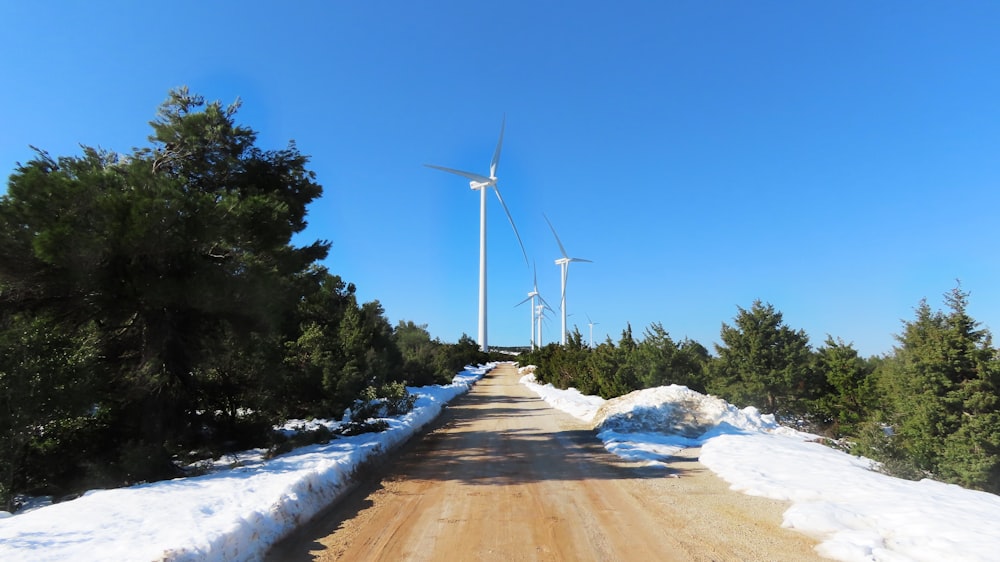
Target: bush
column 145, row 462
column 390, row 399
column 877, row 442
column 282, row 444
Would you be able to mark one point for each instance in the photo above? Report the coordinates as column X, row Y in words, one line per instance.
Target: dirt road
column 503, row 476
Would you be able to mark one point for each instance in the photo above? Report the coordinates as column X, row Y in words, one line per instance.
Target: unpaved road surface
column 503, row 476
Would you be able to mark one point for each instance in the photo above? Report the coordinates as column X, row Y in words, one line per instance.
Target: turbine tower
column 563, row 263
column 531, row 296
column 482, row 184
column 591, row 323
column 539, row 310
column 541, row 316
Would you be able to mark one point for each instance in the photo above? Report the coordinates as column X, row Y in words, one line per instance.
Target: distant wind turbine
column 591, row 323
column 531, row 296
column 482, row 184
column 541, row 316
column 563, row 263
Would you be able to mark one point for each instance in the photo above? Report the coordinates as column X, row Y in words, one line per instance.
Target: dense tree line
column 153, row 308
column 931, row 407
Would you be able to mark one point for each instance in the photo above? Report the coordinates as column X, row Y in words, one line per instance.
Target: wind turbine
column 541, row 316
column 563, row 263
column 482, row 184
column 591, row 323
column 531, row 296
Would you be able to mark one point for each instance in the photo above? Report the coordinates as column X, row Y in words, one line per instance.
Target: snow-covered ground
column 237, row 513
column 232, row 514
column 855, row 512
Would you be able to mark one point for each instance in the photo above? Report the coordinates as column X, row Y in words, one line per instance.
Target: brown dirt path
column 503, row 476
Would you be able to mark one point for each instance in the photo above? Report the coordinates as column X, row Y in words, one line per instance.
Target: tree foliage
column 932, row 408
column 763, row 361
column 942, row 396
column 610, row 369
column 46, row 378
column 850, row 392
column 153, row 303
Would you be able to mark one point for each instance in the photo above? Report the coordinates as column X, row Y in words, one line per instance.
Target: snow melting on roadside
column 234, row 514
column 855, row 513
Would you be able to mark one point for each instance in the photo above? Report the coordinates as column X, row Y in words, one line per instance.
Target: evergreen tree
column 420, row 355
column 47, row 378
column 944, row 395
column 654, row 356
column 179, row 253
column 762, row 361
column 625, row 377
column 851, row 394
column 452, row 358
column 314, row 353
column 662, row 361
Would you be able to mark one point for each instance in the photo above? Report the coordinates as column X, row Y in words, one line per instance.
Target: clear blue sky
column 839, row 160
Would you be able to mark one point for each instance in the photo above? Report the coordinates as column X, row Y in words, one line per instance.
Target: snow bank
column 235, row 514
column 677, row 410
column 856, row 513
column 570, row 401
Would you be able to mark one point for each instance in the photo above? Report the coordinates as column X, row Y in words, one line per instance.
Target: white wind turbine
column 531, row 296
column 541, row 316
column 482, row 184
column 563, row 263
column 591, row 323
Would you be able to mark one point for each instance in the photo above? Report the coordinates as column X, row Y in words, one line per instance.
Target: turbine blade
column 470, row 175
column 580, row 259
column 495, row 163
column 544, row 303
column 511, row 219
column 524, row 301
column 561, row 249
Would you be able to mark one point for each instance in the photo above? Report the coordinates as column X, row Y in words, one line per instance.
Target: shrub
column 390, row 399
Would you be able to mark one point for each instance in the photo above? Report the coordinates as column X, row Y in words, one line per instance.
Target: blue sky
column 837, row 160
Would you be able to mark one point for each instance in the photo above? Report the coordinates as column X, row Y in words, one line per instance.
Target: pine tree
column 850, row 396
column 47, row 377
column 762, row 361
column 180, row 253
column 944, row 394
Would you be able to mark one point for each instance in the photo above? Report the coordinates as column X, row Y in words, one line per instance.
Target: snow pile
column 570, row 401
column 236, row 514
column 668, row 419
column 855, row 513
column 677, row 410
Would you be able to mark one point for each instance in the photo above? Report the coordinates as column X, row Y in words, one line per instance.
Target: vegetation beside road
column 153, row 310
column 930, row 408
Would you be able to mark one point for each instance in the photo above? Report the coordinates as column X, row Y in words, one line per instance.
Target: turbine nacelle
column 530, row 296
column 477, row 185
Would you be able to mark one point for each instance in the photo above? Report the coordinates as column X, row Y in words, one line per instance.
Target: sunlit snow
column 234, row 514
column 238, row 512
column 857, row 513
